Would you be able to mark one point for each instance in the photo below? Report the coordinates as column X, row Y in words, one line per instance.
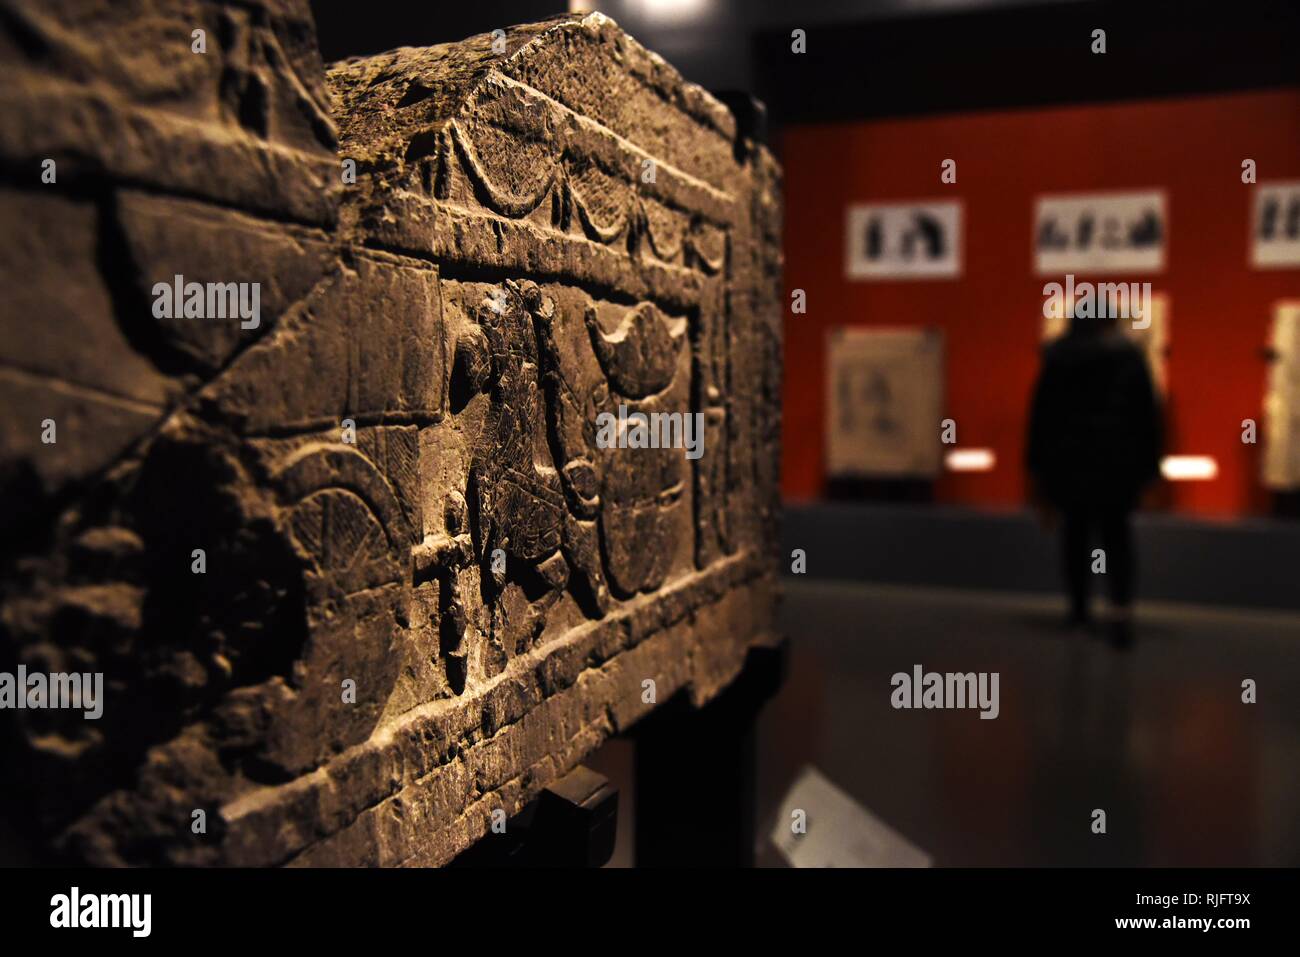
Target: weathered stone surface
column 394, row 475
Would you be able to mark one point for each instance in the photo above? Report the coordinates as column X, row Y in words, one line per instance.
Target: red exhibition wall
column 1219, row 307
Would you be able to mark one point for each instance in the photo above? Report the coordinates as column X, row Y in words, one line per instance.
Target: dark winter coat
column 1095, row 431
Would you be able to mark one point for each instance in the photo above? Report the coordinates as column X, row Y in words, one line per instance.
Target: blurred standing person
column 1095, row 436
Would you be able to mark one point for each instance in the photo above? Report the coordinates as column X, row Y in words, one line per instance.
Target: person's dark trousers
column 1108, row 526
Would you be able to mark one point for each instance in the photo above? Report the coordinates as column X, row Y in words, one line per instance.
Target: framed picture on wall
column 1275, row 226
column 903, row 240
column 1100, row 232
column 1282, row 400
column 884, row 403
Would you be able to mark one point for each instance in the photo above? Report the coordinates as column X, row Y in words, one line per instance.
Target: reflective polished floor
column 1157, row 736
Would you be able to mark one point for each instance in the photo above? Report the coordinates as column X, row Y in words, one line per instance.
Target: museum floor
column 1157, row 736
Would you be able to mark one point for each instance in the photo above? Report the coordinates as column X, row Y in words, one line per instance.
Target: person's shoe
column 1120, row 629
column 1076, row 624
